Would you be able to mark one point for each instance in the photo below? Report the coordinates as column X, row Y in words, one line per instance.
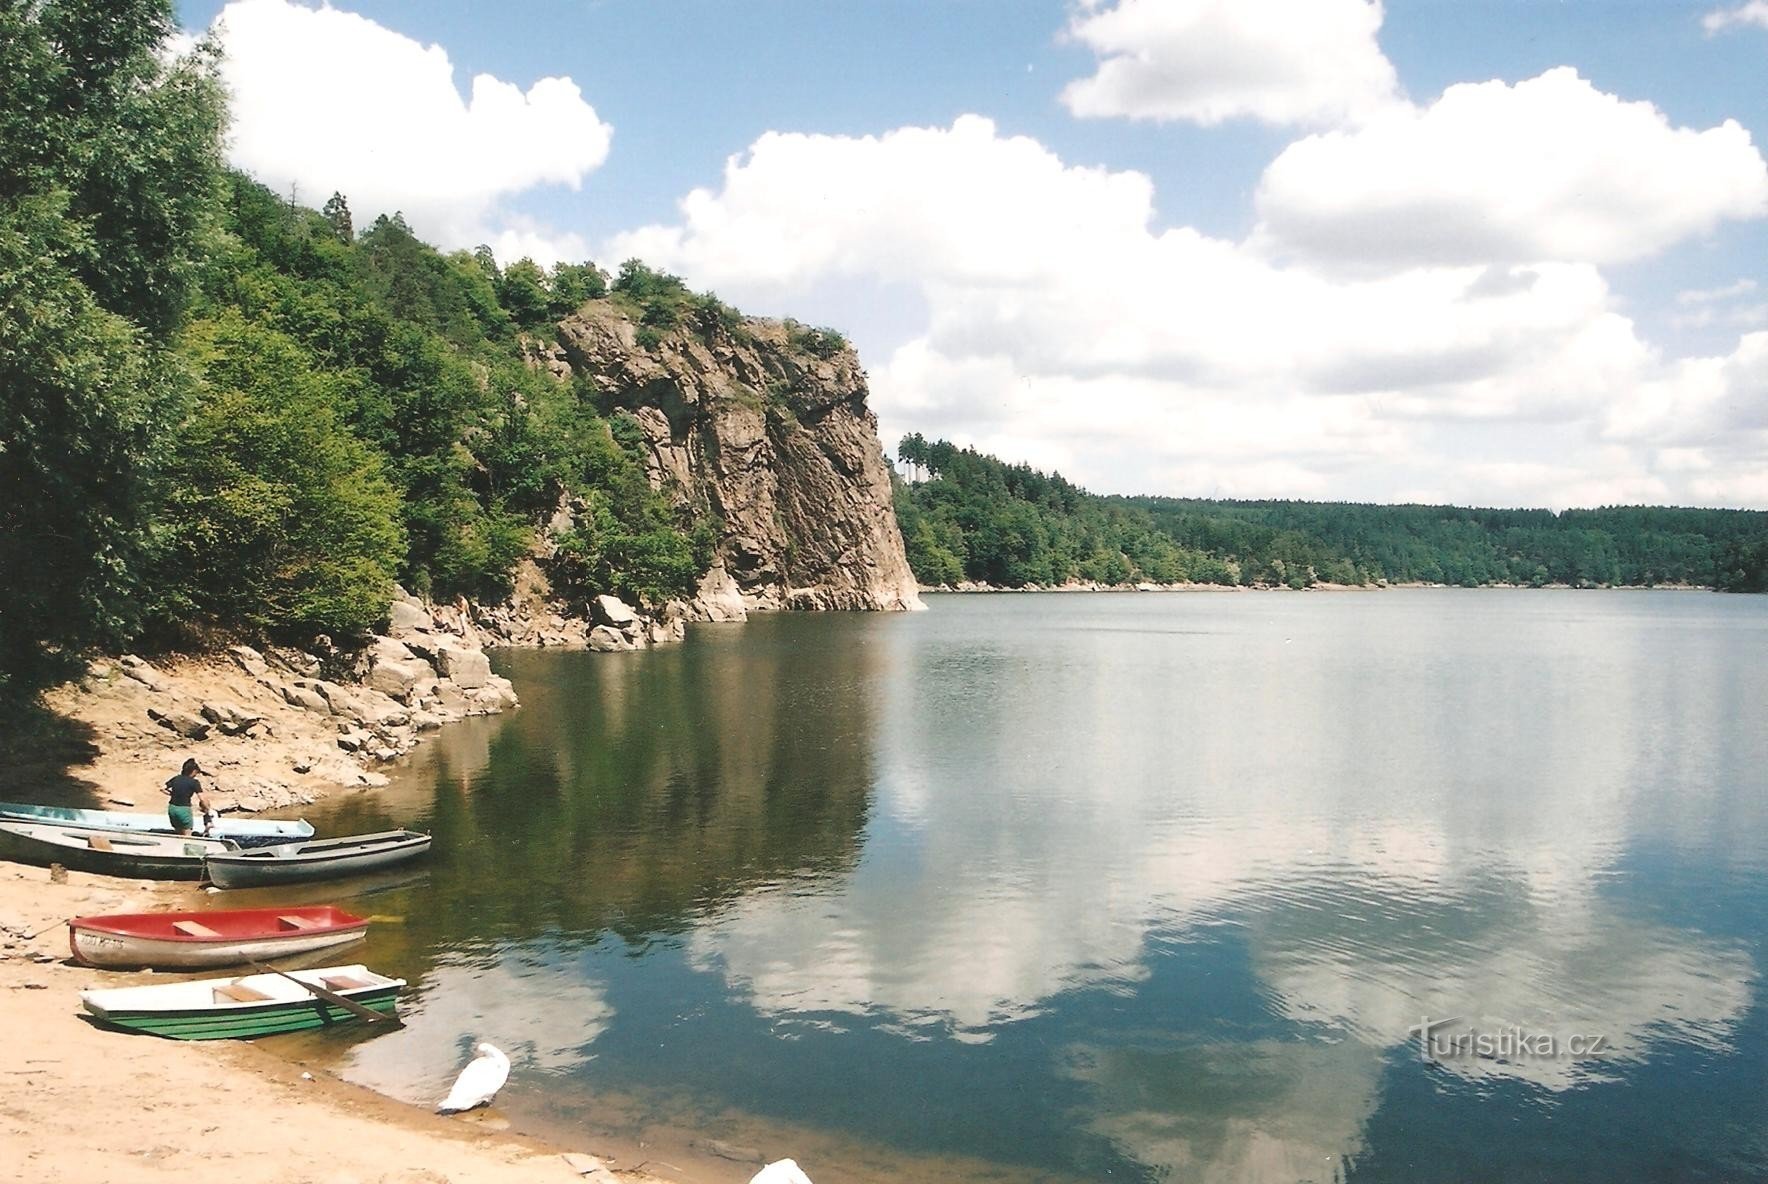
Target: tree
column 521, row 289
column 337, row 212
column 572, row 285
column 110, row 165
column 278, row 521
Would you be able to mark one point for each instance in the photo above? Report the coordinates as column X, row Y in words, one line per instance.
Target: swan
column 479, row 1082
column 780, row 1171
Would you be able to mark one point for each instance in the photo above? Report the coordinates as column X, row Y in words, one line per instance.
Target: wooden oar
column 332, row 997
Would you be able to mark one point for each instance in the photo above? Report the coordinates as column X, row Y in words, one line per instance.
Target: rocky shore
column 281, row 727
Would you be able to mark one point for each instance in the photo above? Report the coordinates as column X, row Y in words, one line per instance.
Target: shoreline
column 205, row 1112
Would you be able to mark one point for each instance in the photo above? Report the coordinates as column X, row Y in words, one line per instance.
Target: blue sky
column 1236, row 266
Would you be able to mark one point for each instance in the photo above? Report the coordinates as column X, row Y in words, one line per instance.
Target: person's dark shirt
column 182, row 789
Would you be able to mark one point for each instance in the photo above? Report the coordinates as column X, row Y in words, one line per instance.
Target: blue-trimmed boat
column 247, row 832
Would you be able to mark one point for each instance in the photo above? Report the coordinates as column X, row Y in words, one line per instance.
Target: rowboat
column 247, row 832
column 256, row 1005
column 317, row 859
column 110, row 852
column 225, row 937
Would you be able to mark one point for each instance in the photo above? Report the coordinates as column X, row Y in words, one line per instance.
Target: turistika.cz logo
column 1513, row 1043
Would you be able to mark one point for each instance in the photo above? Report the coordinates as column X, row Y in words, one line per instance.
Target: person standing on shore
column 185, row 789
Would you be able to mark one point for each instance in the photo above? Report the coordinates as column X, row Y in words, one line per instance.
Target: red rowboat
column 225, row 937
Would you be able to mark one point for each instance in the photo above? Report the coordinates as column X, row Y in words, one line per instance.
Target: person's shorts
column 181, row 816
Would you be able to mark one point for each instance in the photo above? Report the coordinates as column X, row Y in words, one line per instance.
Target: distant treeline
column 968, row 516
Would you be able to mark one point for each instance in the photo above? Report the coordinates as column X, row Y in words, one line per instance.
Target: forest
column 966, row 516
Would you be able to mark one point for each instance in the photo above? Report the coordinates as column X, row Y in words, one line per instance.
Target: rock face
column 751, row 424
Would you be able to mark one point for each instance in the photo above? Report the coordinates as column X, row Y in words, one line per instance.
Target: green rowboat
column 243, row 1007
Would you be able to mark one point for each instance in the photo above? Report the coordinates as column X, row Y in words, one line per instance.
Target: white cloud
column 1753, row 13
column 328, row 100
column 1731, row 291
column 1548, row 169
column 1061, row 327
column 1206, row 61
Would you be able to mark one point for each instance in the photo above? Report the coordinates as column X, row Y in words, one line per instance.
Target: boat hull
column 248, row 832
column 326, row 859
column 140, row 1009
column 158, row 857
column 95, row 945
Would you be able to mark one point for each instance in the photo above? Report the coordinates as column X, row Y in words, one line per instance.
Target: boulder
column 604, row 639
column 404, row 616
column 303, row 697
column 611, row 610
column 387, row 649
column 230, row 719
column 249, row 660
column 191, row 727
column 719, row 598
column 353, row 740
column 404, row 679
column 465, row 668
column 381, row 710
column 143, row 673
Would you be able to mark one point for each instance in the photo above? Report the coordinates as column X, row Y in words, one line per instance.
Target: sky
column 1495, row 252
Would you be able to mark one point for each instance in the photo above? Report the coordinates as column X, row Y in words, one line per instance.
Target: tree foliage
column 277, row 520
column 976, row 518
column 109, row 161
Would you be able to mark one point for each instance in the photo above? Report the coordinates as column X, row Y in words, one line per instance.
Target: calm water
column 1091, row 887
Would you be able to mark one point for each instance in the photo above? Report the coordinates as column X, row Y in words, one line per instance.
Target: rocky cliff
column 764, row 426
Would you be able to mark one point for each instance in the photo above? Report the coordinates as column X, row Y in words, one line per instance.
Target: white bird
column 479, row 1082
column 780, row 1171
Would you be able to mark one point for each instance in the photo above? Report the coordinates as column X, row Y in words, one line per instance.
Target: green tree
column 278, row 521
column 109, row 172
column 337, row 212
column 521, row 289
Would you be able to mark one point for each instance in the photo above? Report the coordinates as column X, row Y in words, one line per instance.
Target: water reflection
column 1119, row 885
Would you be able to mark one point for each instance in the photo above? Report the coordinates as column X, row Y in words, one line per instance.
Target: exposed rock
column 294, row 661
column 249, row 660
column 465, row 668
column 752, row 424
column 399, row 680
column 611, row 610
column 191, row 727
column 668, row 631
column 143, row 673
column 719, row 599
column 604, row 639
column 408, row 617
column 309, row 700
column 230, row 719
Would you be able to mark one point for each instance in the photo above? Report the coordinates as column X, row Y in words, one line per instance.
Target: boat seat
column 343, row 982
column 240, row 993
column 194, row 929
column 297, row 922
column 98, row 842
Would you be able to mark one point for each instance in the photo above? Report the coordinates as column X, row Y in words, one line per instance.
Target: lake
column 1114, row 887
